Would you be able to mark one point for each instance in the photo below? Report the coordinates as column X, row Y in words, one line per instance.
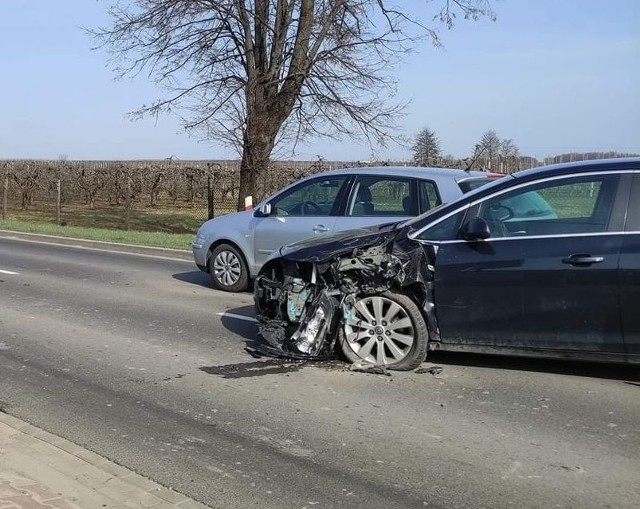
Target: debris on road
column 432, row 370
column 366, row 367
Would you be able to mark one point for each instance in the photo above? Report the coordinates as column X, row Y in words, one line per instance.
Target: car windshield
column 529, row 205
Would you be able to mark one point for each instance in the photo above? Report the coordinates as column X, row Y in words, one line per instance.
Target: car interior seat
column 406, row 205
column 492, row 216
column 363, row 205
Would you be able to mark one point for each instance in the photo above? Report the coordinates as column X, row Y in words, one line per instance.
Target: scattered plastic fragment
column 433, row 370
column 366, row 367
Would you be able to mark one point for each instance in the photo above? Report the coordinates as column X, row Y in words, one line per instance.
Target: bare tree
column 252, row 73
column 498, row 155
column 509, row 156
column 28, row 177
column 91, row 181
column 488, row 149
column 426, row 147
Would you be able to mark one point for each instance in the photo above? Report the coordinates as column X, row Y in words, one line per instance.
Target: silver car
column 233, row 248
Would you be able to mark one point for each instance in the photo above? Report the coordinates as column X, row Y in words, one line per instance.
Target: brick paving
column 20, row 493
column 39, row 470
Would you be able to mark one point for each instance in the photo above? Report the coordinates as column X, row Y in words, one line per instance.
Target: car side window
column 429, row 197
column 633, row 214
column 573, row 205
column 447, row 229
column 381, row 196
column 314, row 198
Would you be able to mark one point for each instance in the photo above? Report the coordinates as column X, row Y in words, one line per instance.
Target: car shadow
column 628, row 373
column 241, row 321
column 199, row 278
column 194, row 277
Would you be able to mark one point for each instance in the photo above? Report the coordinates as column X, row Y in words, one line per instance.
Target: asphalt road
column 138, row 359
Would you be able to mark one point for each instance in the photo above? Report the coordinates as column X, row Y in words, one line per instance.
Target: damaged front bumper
column 296, row 317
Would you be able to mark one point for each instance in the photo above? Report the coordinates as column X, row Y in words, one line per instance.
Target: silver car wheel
column 379, row 330
column 227, row 268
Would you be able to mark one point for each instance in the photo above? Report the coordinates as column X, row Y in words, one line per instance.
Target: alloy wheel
column 379, row 330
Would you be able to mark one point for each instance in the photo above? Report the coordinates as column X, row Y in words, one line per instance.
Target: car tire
column 227, row 269
column 386, row 329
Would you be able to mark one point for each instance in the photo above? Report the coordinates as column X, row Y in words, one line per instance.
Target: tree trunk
column 259, row 139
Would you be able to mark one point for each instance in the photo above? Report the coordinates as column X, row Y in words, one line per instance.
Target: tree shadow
column 628, row 373
column 163, row 219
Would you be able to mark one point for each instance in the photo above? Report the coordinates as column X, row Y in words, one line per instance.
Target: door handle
column 320, row 228
column 582, row 260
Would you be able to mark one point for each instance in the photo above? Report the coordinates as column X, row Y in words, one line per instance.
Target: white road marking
column 9, row 272
column 239, row 317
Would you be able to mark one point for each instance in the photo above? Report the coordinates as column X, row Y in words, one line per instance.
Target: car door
column 630, row 273
column 302, row 211
column 477, row 285
column 540, row 281
column 376, row 199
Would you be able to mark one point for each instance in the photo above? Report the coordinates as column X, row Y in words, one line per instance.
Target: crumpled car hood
column 325, row 247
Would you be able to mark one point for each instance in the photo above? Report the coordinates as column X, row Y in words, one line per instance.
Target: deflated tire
column 386, row 330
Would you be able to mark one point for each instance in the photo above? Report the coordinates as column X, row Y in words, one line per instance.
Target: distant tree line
column 492, row 153
column 586, row 156
column 161, row 183
column 176, row 183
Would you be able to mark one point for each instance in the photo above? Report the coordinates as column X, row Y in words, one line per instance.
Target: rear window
column 471, row 184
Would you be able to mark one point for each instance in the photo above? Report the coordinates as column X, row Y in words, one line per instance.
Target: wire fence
column 170, row 196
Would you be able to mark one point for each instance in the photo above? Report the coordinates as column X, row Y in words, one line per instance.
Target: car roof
column 597, row 165
column 408, row 171
column 627, row 163
column 581, row 166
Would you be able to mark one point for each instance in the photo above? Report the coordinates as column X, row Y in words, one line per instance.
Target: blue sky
column 553, row 75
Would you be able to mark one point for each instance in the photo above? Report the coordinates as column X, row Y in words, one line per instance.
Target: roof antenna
column 477, row 153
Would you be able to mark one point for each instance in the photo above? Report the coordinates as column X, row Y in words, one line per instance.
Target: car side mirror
column 476, row 229
column 263, row 211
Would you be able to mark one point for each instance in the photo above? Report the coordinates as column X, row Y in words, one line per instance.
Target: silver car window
column 380, row 196
column 313, row 198
column 429, row 197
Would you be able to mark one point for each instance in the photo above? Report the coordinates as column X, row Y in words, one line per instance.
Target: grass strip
column 138, row 238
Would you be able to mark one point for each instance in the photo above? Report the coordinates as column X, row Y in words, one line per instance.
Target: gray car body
column 239, row 229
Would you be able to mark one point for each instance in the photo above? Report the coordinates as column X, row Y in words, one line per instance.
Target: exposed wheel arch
column 219, row 242
column 424, row 299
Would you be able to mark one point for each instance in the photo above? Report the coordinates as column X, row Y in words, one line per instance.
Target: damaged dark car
column 544, row 263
